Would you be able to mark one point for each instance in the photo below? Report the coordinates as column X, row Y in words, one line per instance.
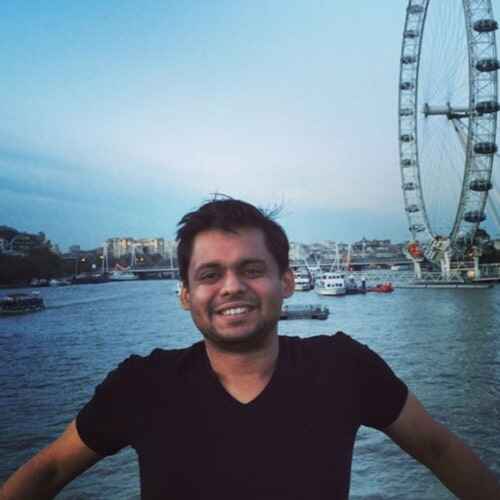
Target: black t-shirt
column 195, row 441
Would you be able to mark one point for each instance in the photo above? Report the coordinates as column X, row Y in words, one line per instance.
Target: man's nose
column 232, row 283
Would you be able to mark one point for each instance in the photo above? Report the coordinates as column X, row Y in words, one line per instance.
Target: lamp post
column 77, row 260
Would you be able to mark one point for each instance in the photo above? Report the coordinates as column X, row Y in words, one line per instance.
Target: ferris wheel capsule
column 485, row 148
column 488, row 64
column 485, row 25
column 480, row 185
column 487, row 107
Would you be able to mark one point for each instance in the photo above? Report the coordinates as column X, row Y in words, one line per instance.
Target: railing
column 457, row 274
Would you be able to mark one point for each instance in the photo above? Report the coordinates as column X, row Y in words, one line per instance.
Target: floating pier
column 304, row 311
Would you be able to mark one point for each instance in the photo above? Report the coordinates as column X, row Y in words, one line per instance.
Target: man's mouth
column 234, row 311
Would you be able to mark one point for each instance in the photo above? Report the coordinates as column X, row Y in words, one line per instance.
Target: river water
column 445, row 344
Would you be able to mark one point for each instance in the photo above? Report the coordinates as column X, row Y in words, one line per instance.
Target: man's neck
column 244, row 375
column 259, row 361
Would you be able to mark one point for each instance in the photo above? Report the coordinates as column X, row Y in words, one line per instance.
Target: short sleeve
column 382, row 393
column 106, row 423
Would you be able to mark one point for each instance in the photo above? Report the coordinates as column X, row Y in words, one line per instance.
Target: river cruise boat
column 122, row 276
column 303, row 280
column 331, row 283
column 20, row 303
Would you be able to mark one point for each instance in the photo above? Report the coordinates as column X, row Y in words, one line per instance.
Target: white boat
column 61, row 282
column 303, row 281
column 122, row 276
column 331, row 283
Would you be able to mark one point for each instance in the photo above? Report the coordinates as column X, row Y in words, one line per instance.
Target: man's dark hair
column 228, row 214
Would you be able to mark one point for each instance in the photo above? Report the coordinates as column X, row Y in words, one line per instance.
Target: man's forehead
column 216, row 244
column 230, row 235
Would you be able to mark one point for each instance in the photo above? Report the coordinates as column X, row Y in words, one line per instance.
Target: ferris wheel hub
column 449, row 111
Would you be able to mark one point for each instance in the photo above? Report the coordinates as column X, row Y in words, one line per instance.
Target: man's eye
column 254, row 272
column 208, row 276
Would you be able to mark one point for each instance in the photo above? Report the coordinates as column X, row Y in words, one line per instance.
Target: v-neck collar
column 261, row 396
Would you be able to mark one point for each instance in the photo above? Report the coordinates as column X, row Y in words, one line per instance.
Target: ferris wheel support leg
column 477, row 269
column 418, row 269
column 445, row 266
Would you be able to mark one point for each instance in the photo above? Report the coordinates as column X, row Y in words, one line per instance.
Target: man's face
column 235, row 290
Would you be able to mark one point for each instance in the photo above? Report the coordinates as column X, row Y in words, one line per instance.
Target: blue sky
column 120, row 116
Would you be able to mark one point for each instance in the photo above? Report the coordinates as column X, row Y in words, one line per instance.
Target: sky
column 120, row 116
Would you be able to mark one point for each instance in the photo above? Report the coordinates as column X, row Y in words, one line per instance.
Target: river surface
column 444, row 344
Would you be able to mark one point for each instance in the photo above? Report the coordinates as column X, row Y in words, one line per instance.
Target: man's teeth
column 234, row 310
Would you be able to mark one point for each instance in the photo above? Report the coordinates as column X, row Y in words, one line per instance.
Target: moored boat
column 381, row 288
column 122, row 276
column 59, row 282
column 303, row 281
column 21, row 303
column 331, row 283
column 89, row 279
column 353, row 287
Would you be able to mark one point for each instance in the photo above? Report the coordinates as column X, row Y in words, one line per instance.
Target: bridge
column 155, row 272
column 145, row 272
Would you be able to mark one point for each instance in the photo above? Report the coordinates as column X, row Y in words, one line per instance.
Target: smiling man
column 234, row 289
column 246, row 413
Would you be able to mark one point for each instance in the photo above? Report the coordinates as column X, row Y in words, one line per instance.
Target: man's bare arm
column 49, row 471
column 453, row 463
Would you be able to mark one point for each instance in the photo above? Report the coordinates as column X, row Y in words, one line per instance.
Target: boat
column 89, row 279
column 56, row 282
column 122, row 276
column 352, row 286
column 304, row 311
column 303, row 280
column 331, row 283
column 39, row 282
column 385, row 287
column 21, row 303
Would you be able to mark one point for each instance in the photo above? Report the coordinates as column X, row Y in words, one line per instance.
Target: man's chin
column 240, row 341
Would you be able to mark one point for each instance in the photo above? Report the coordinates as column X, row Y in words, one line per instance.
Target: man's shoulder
column 337, row 340
column 158, row 360
column 330, row 351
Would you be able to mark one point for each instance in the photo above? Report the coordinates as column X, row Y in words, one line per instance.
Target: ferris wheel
column 447, row 119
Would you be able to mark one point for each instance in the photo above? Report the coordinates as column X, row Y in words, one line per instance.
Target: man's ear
column 185, row 298
column 288, row 282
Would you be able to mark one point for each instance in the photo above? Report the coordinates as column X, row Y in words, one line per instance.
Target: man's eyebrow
column 217, row 264
column 207, row 265
column 246, row 262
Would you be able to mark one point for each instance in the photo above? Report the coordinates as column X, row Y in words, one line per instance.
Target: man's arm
column 454, row 464
column 49, row 471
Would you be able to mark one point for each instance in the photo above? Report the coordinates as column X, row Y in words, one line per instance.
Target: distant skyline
column 119, row 117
